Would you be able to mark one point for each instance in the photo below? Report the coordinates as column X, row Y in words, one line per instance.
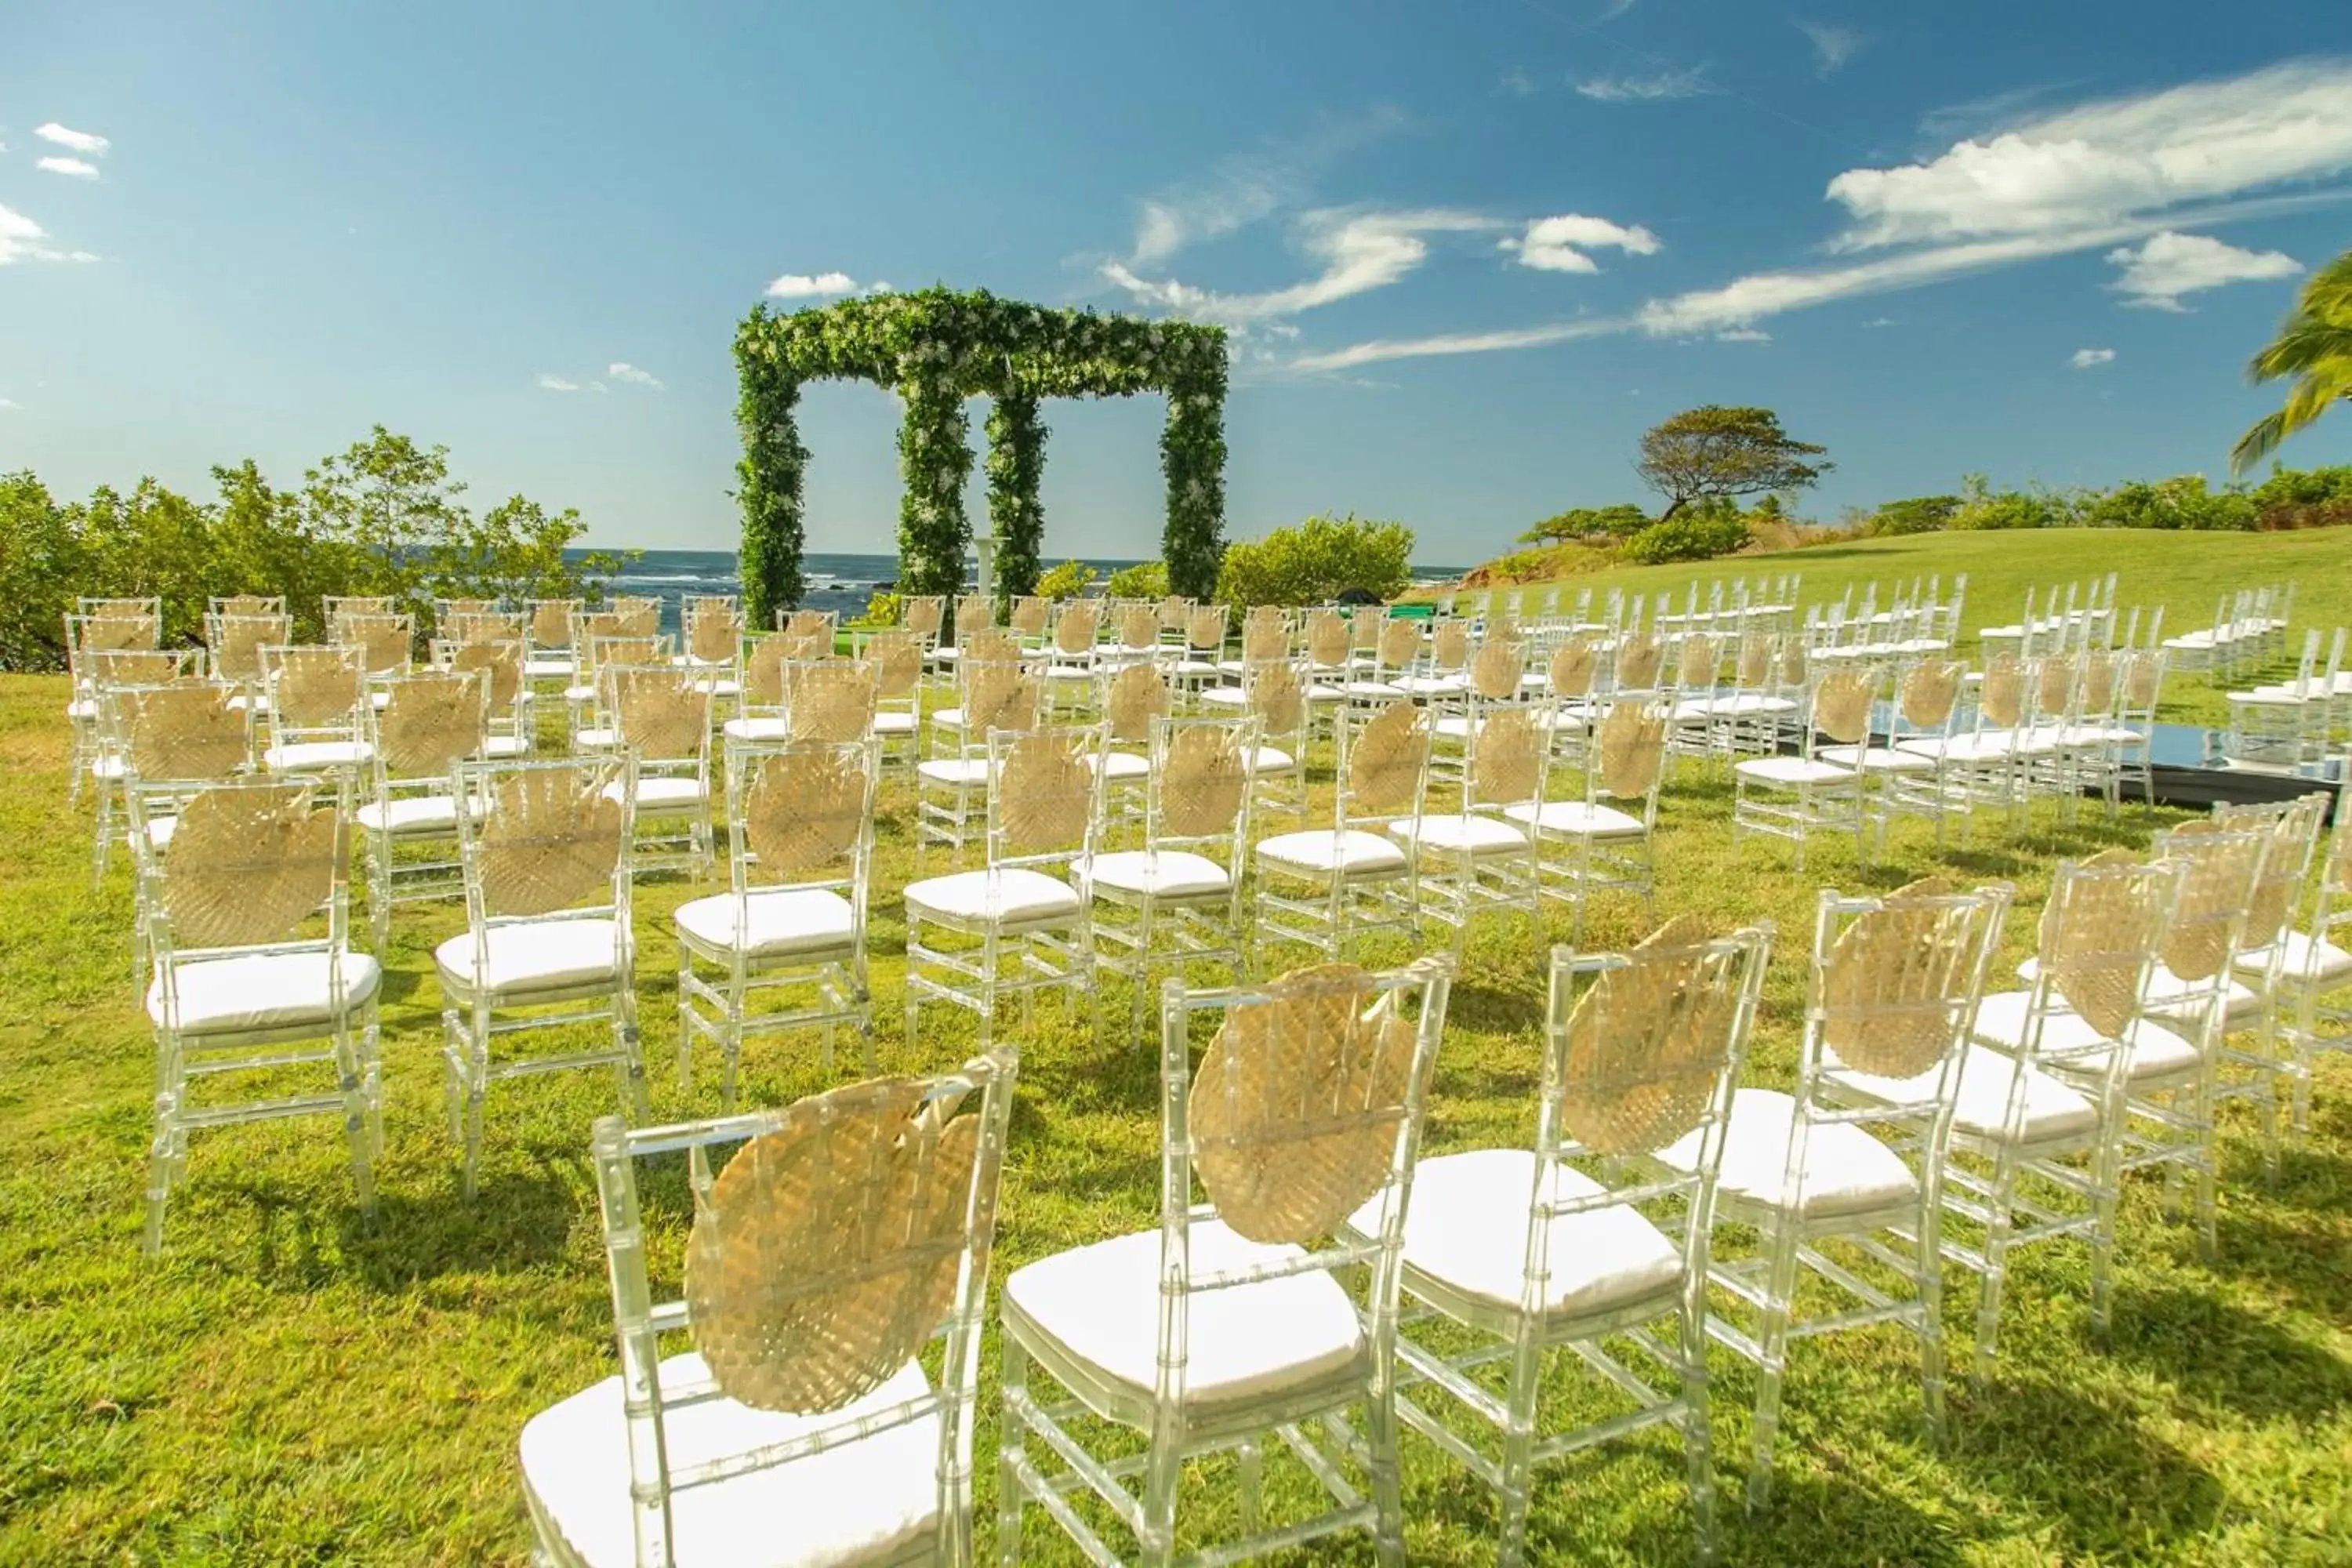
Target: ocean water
column 836, row 581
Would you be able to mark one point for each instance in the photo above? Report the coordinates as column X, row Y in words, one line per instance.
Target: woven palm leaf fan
column 923, row 612
column 897, row 661
column 626, row 650
column 1496, row 668
column 1265, row 633
column 383, row 639
column 135, row 666
column 551, row 839
column 1571, row 668
column 763, row 670
column 804, row 810
column 997, row 696
column 242, row 638
column 1279, row 700
column 1201, row 791
column 1929, row 691
column 2141, row 679
column 118, row 633
column 1365, row 627
column 318, row 684
column 1327, row 637
column 247, row 864
column 1632, row 741
column 248, row 605
column 715, row 635
column 827, row 1251
column 1507, row 762
column 637, row 617
column 550, row 623
column 1639, row 658
column 1295, row 1109
column 660, row 714
column 1385, row 761
column 596, row 627
column 2099, row 680
column 1137, row 626
column 1647, row 1042
column 1138, row 696
column 1502, row 629
column 503, row 660
column 1897, row 976
column 1755, row 659
column 183, row 732
column 1795, row 661
column 2272, row 901
column 2057, row 685
column 1695, row 663
column 1173, row 611
column 363, row 605
column 1046, row 793
column 2198, row 942
column 1204, row 629
column 1400, row 642
column 484, row 628
column 2003, row 696
column 430, row 722
column 1449, row 647
column 471, row 606
column 989, row 645
column 1029, row 612
column 1074, row 630
column 808, row 624
column 831, row 701
column 1842, row 706
column 710, row 603
column 2091, row 939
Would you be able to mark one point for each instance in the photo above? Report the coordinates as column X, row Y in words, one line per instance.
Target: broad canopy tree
column 1711, row 452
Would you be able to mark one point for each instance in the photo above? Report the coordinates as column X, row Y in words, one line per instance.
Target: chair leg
column 1518, row 1445
column 163, row 1154
column 634, row 1100
column 358, row 1123
column 1772, row 1353
column 1930, row 1284
column 1698, row 1443
column 1012, row 1443
column 1996, row 1257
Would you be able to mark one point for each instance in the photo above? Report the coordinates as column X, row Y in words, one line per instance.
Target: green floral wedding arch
column 936, row 349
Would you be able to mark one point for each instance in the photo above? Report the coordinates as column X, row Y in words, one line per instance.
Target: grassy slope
column 288, row 1384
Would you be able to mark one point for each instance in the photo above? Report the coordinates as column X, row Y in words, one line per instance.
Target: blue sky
column 1472, row 250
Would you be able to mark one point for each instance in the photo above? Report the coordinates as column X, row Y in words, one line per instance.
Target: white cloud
column 1248, row 188
column 78, row 140
column 1559, row 244
column 1516, row 82
column 1360, row 251
column 811, row 286
column 2171, row 264
column 78, row 168
column 549, row 382
column 2106, row 162
column 1612, row 9
column 621, row 371
column 1833, row 46
column 22, row 239
column 1744, row 335
column 10, row 403
column 1877, row 322
column 1383, row 349
column 2087, row 359
column 1690, row 82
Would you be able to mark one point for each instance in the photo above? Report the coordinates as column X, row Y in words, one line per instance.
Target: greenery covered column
column 769, row 478
column 1193, row 457
column 1016, row 464
column 934, row 461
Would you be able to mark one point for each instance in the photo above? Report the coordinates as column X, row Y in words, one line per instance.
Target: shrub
column 2177, row 503
column 1585, row 522
column 1144, row 580
column 1919, row 514
column 884, row 609
column 1066, row 581
column 1699, row 533
column 1315, row 561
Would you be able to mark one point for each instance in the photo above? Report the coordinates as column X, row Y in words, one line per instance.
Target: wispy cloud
column 1516, row 83
column 1383, row 349
column 8, row 403
column 1877, row 322
column 1656, row 88
column 549, row 382
column 1612, row 9
column 1744, row 335
column 811, row 286
column 22, row 239
column 621, row 371
column 1250, row 187
column 1560, row 244
column 1360, row 251
column 2170, row 264
column 78, row 168
column 78, row 140
column 1833, row 46
column 2091, row 359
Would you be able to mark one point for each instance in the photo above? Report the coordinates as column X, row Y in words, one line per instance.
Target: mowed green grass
column 290, row 1384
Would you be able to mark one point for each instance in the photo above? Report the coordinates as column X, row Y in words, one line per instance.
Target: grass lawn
column 288, row 1384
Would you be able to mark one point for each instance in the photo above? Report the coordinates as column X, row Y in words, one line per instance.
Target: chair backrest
column 2101, row 930
column 1266, row 633
column 2293, row 829
column 996, row 694
column 1029, row 614
column 463, row 628
column 1496, row 669
column 503, row 662
column 1505, row 756
column 545, row 839
column 1197, row 796
column 2221, row 868
column 973, row 613
column 428, row 724
column 1204, row 627
column 827, row 699
column 316, row 688
column 1138, row 628
column 1384, row 766
column 1841, row 702
column 551, row 621
column 922, row 614
column 1926, row 696
column 1135, row 696
column 249, row 863
column 1626, row 758
column 387, row 641
column 1307, row 1106
column 1638, row 657
column 1328, row 638
column 238, row 641
column 714, row 635
column 801, row 814
column 897, row 660
column 1572, row 668
column 661, row 712
column 1076, row 626
column 246, row 605
column 179, row 731
column 1044, row 797
column 636, row 614
column 841, row 1235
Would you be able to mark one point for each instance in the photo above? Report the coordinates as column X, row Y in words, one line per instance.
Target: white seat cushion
column 1431, row 685
column 2178, row 1001
column 765, row 727
column 547, row 668
column 1320, row 852
column 1987, row 746
column 1371, row 690
column 1270, row 760
column 968, row 772
column 2304, row 961
column 1224, row 696
column 420, row 815
column 2156, row 1051
column 1467, row 1228
column 2051, row 1110
column 300, row 754
column 866, row 1500
column 1742, row 703
column 664, row 794
column 1322, row 693
column 1101, row 1304
column 1846, row 1170
column 1461, row 835
column 1791, row 772
column 948, row 718
column 552, row 956
column 593, row 740
column 1877, row 758
column 580, row 694
column 1122, row 765
column 1170, row 874
column 506, row 746
column 1575, row 819
column 261, row 991
column 774, row 923
column 890, row 721
column 1020, row 897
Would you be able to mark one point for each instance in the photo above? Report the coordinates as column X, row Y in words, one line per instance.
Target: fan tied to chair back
column 2271, row 906
column 1695, row 663
column 553, row 837
column 897, row 661
column 1294, row 1112
column 1173, row 609
column 249, row 605
column 119, row 632
column 827, row 1251
column 1138, row 696
column 383, row 640
column 1327, row 637
column 183, row 732
column 466, row 630
column 1507, row 758
column 1930, row 689
column 628, row 650
column 1265, row 634
column 1638, row 657
column 1385, row 762
column 659, row 713
column 430, row 722
column 1279, row 700
column 2057, row 685
column 989, row 645
column 1897, row 977
column 833, row 700
column 637, row 617
column 1795, row 661
column 715, row 635
column 1138, row 627
column 2219, row 879
column 1203, row 780
column 550, row 623
column 1648, row 1042
column 237, row 654
column 1755, row 659
column 1494, row 670
column 808, row 624
column 1449, row 646
column 763, row 670
column 1631, row 743
column 1570, row 671
column 804, row 810
column 2099, row 680
column 1046, row 791
column 972, row 614
column 997, row 695
column 2003, row 697
column 246, row 864
column 1074, row 630
column 317, row 686
column 2142, row 676
column 1204, row 629
column 136, row 665
column 1842, row 706
column 1029, row 613
column 923, row 615
column 363, row 605
column 2094, row 931
column 1400, row 642
column 503, row 660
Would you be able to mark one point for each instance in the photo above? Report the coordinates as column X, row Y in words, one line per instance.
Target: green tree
column 1717, row 451
column 1578, row 523
column 1317, row 561
column 38, row 557
column 390, row 503
column 1068, row 581
column 1700, row 532
column 2315, row 347
column 1144, row 580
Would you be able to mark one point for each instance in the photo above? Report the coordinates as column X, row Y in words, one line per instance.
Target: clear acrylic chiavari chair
column 660, row 714
column 1326, row 887
column 408, row 824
